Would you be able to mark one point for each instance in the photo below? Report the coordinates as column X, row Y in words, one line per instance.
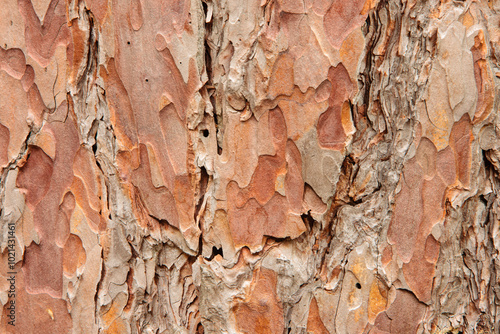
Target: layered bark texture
column 260, row 166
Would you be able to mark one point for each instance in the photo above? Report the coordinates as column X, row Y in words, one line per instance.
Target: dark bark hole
column 205, row 8
column 147, row 80
column 200, row 329
column 308, row 220
column 205, row 133
column 128, row 43
column 217, row 251
column 200, row 244
column 358, row 286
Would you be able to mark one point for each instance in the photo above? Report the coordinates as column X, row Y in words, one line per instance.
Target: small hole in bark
column 217, row 251
column 147, row 80
column 205, row 133
column 358, row 286
column 128, row 43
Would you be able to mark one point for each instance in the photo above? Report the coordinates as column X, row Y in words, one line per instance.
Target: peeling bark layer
column 305, row 166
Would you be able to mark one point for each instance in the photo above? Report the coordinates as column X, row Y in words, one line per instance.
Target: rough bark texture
column 272, row 166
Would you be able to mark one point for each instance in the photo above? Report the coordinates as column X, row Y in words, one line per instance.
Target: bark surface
column 272, row 166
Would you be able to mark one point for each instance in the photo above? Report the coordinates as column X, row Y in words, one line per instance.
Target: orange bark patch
column 262, row 312
column 387, row 255
column 281, row 81
column 73, row 255
column 405, row 313
column 460, row 141
column 35, row 176
column 376, row 302
column 484, row 78
column 407, row 211
column 99, row 8
column 314, row 323
column 120, row 107
column 330, row 128
column 4, row 145
column 350, row 51
column 43, row 39
column 341, row 19
column 159, row 201
column 269, row 205
column 37, row 313
column 37, row 260
column 419, row 274
column 135, row 14
column 114, row 312
column 330, row 131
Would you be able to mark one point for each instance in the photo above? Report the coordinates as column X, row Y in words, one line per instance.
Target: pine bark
column 273, row 166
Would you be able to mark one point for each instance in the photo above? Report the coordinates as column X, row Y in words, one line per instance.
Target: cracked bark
column 250, row 167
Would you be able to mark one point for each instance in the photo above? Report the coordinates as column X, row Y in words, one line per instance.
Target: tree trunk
column 278, row 166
